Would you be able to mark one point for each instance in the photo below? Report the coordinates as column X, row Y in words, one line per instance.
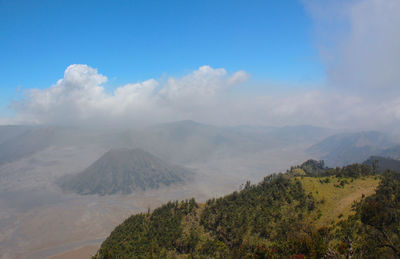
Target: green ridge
column 330, row 213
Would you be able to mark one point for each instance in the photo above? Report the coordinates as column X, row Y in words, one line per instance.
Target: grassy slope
column 334, row 201
column 216, row 223
column 337, row 201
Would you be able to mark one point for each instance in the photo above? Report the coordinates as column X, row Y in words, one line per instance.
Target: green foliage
column 267, row 210
column 374, row 231
column 143, row 235
column 354, row 171
column 317, row 169
column 268, row 220
column 313, row 167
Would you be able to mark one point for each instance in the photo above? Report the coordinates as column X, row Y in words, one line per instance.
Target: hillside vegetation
column 335, row 195
column 308, row 212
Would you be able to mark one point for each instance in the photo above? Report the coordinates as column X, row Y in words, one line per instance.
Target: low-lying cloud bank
column 79, row 99
column 362, row 88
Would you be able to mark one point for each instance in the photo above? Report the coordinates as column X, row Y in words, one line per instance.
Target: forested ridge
column 290, row 215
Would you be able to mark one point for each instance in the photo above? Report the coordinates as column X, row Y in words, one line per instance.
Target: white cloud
column 203, row 86
column 7, row 121
column 359, row 42
column 80, row 98
column 370, row 56
column 360, row 47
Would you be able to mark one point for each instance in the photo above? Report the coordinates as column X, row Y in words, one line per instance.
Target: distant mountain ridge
column 23, row 142
column 181, row 142
column 392, row 152
column 124, row 171
column 194, row 141
column 383, row 163
column 347, row 148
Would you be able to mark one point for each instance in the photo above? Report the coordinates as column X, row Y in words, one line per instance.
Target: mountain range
column 178, row 142
column 347, row 148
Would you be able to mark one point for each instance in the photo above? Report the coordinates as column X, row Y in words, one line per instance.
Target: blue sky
column 331, row 63
column 131, row 41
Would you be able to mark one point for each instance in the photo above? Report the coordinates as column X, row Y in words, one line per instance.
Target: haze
column 232, row 91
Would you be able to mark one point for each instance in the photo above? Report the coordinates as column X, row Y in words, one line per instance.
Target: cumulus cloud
column 359, row 43
column 80, row 97
column 203, row 84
